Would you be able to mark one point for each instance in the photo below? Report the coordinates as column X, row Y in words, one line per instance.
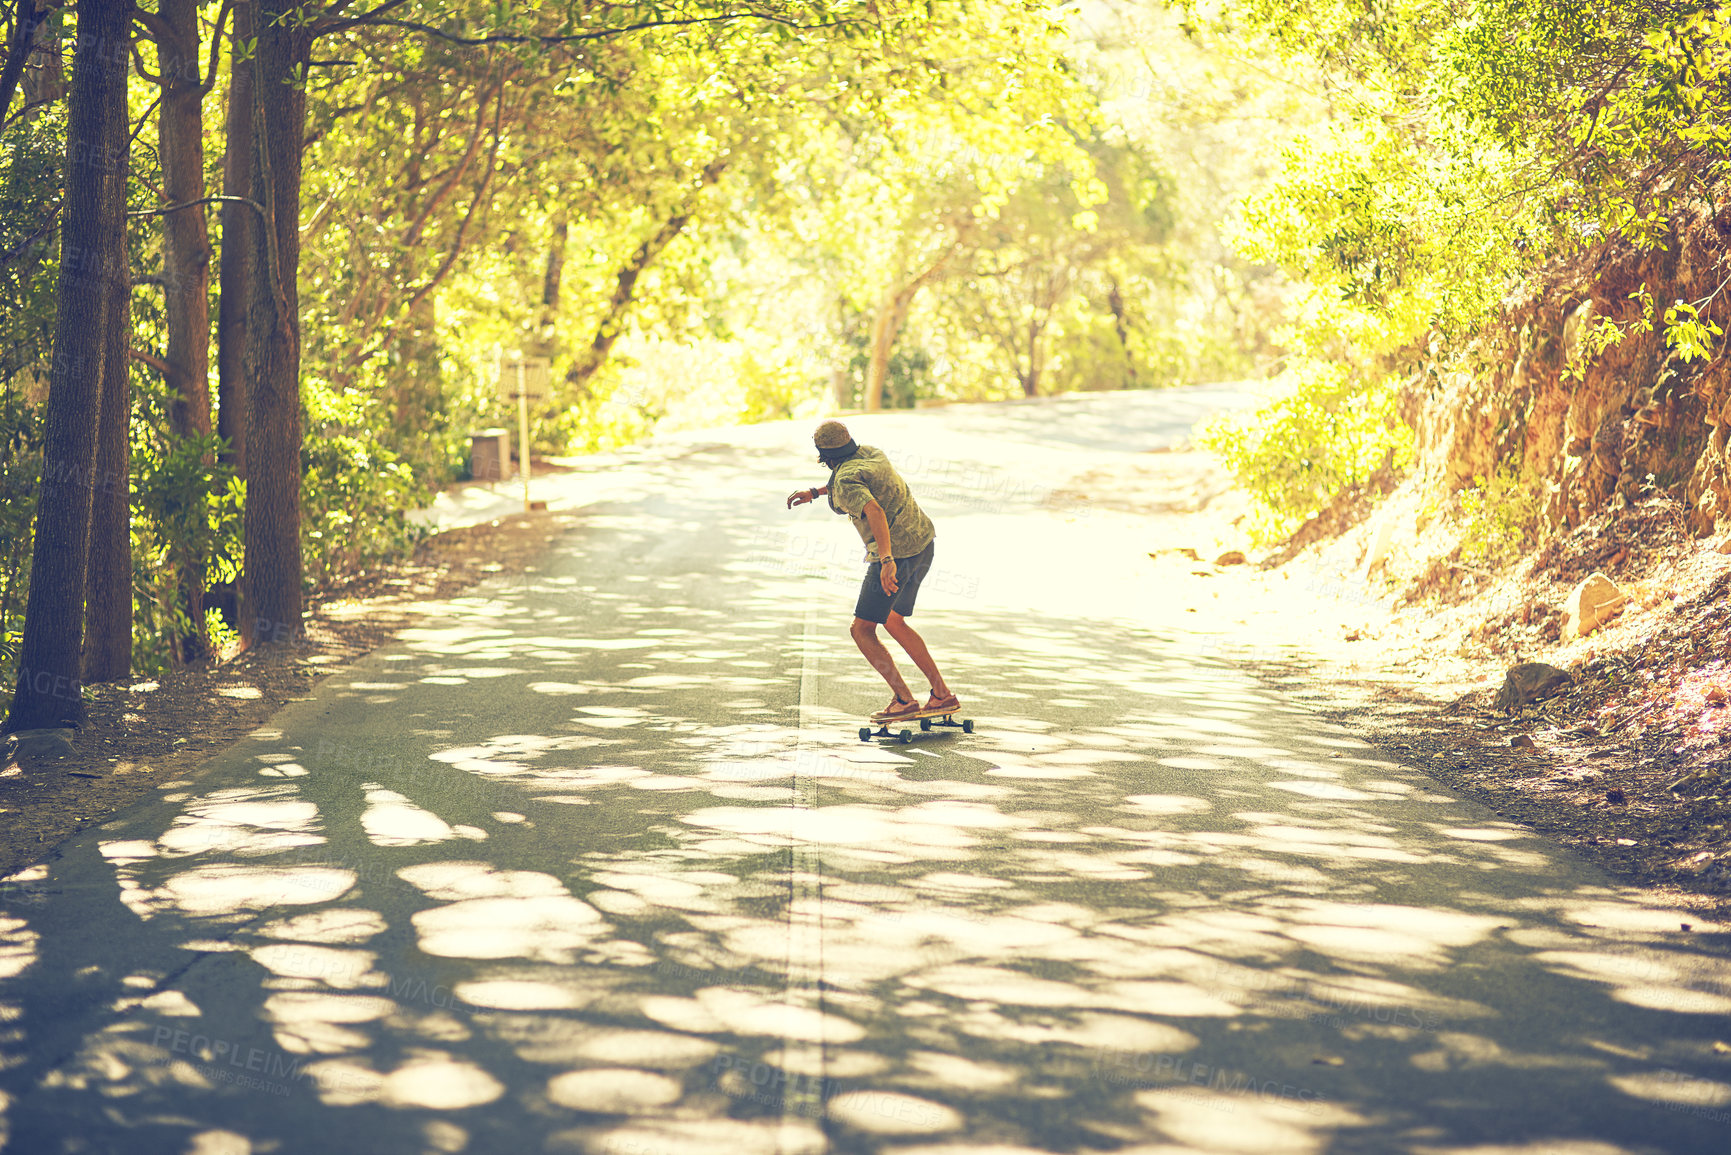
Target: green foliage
column 1626, row 103
column 222, row 638
column 1324, row 432
column 355, row 493
column 1088, row 353
column 1597, row 335
column 1467, row 144
column 31, row 153
column 684, row 144
column 769, row 388
column 187, row 512
column 598, row 425
column 784, row 168
column 908, row 376
column 1500, row 517
column 1473, row 140
column 193, row 506
column 1688, row 334
column 20, row 472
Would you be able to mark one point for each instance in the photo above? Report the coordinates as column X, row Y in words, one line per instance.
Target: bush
column 770, row 385
column 222, row 638
column 1500, row 517
column 31, row 153
column 20, row 472
column 355, row 493
column 1326, row 432
column 185, row 513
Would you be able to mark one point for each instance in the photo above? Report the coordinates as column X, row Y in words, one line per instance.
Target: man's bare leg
column 865, row 636
column 916, row 647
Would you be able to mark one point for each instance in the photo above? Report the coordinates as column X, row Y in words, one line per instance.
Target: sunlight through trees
column 341, row 216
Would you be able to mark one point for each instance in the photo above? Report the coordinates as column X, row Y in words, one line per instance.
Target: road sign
column 529, row 376
column 524, row 379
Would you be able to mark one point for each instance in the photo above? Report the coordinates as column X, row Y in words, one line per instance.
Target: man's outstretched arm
column 802, row 496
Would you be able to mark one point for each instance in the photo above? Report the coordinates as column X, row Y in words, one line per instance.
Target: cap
column 831, row 435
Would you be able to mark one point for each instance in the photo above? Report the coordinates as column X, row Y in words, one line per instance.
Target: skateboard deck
column 928, row 720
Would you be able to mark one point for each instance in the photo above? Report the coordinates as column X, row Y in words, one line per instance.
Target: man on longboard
column 899, row 541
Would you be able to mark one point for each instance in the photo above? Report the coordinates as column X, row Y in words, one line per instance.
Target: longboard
column 926, row 718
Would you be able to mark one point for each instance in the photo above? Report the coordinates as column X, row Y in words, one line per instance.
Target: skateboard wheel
column 907, row 736
column 865, row 733
column 925, row 724
column 967, row 725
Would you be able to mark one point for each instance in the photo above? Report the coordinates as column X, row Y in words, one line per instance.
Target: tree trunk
column 547, row 329
column 27, row 19
column 186, row 277
column 92, row 260
column 239, row 228
column 271, row 582
column 1121, row 325
column 413, row 393
column 44, row 68
column 108, row 571
column 612, row 322
column 892, row 313
column 45, row 73
column 1031, row 379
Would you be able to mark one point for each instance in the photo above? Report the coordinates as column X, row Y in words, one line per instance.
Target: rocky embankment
column 1548, row 589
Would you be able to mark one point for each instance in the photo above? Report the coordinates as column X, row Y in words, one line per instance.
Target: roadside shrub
column 186, row 512
column 20, row 472
column 1325, row 432
column 770, row 385
column 222, row 637
column 32, row 151
column 1500, row 517
column 355, row 494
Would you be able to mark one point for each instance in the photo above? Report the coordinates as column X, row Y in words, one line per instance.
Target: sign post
column 524, row 378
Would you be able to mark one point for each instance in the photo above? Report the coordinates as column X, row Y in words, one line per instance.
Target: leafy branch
column 550, row 40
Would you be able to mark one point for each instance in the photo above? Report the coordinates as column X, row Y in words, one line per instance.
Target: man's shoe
column 896, row 710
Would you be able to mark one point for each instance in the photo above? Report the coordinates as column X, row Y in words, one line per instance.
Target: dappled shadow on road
column 617, row 877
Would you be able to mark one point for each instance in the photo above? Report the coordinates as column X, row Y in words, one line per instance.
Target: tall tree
column 27, row 17
column 613, row 316
column 108, row 570
column 271, row 583
column 907, row 195
column 546, row 325
column 92, row 261
column 45, row 69
column 185, row 268
column 892, row 314
column 239, row 224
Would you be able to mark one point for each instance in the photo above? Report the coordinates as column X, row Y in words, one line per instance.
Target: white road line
column 803, row 1059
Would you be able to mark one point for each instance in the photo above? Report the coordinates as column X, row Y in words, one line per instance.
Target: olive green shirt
column 866, row 475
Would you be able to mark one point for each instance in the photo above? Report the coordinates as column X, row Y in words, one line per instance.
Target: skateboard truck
column 927, row 721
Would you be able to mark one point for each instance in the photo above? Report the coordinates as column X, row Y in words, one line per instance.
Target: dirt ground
column 152, row 731
column 1630, row 764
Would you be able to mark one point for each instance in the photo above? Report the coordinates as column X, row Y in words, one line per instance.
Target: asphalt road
column 594, row 862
